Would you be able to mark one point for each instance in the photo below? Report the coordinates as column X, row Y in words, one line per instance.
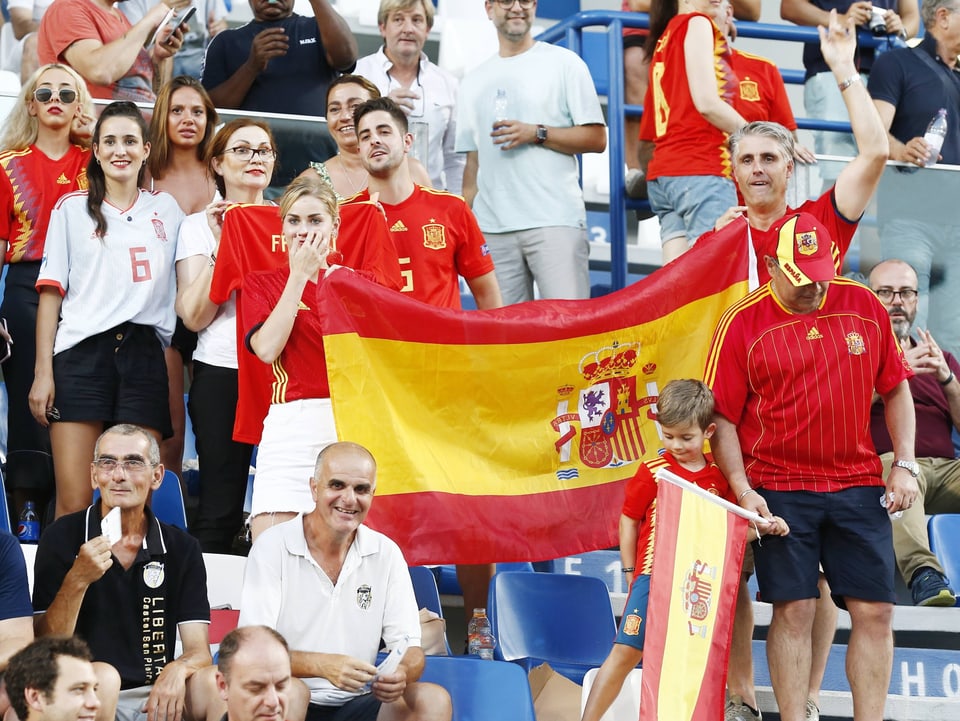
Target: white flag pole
column 664, row 475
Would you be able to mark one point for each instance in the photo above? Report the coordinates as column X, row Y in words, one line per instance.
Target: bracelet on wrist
column 852, row 80
column 628, row 570
column 948, row 380
column 745, row 493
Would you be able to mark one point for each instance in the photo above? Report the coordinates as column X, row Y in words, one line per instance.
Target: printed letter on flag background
column 508, row 434
column 693, row 594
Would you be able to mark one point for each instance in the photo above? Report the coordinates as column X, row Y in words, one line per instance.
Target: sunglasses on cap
column 45, row 95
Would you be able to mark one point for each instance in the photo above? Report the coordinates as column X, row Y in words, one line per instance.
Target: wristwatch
column 541, row 134
column 912, row 466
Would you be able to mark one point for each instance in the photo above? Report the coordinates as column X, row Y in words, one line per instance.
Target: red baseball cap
column 804, row 249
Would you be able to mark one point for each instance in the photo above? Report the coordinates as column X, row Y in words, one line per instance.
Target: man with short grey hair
column 127, row 583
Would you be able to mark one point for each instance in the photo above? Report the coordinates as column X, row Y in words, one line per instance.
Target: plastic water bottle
column 480, row 640
column 28, row 529
column 501, row 106
column 936, row 132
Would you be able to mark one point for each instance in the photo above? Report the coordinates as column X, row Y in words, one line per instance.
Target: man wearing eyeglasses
column 522, row 117
column 936, row 398
column 126, row 588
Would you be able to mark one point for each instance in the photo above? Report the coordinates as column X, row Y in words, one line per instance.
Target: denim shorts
column 633, row 626
column 689, row 205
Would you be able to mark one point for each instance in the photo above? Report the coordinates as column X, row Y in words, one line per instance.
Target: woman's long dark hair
column 661, row 13
column 97, row 183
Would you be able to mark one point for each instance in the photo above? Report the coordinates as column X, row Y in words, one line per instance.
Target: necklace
column 354, row 187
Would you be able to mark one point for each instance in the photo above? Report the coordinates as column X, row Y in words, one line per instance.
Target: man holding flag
column 793, row 367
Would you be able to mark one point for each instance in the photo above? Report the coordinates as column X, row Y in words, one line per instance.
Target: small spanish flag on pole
column 693, row 594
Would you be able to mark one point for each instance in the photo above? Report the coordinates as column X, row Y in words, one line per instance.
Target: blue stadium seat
column 448, row 584
column 167, row 501
column 4, row 509
column 482, row 690
column 428, row 597
column 564, row 620
column 944, row 532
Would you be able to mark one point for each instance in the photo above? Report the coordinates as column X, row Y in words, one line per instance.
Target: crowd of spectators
column 141, row 253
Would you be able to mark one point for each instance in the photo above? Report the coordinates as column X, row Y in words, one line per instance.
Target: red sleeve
column 726, row 372
column 780, row 110
column 256, row 302
column 66, row 23
column 366, row 244
column 6, row 209
column 472, row 255
column 640, row 493
column 250, row 241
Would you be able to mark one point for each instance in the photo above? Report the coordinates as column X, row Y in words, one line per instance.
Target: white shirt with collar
column 439, row 91
column 285, row 588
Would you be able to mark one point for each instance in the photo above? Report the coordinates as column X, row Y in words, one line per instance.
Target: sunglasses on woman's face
column 45, row 95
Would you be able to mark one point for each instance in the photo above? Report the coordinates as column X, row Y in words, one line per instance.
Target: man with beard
column 936, row 399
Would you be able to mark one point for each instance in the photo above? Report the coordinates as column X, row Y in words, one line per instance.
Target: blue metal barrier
column 608, row 79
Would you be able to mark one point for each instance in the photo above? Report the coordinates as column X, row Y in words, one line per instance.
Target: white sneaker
column 737, row 710
column 813, row 713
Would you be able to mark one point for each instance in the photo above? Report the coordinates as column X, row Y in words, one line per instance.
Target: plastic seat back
column 944, row 532
column 428, row 597
column 564, row 620
column 482, row 690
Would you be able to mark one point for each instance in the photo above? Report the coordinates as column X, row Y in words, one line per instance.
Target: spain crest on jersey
column 749, row 91
column 434, row 236
column 609, row 411
column 855, row 344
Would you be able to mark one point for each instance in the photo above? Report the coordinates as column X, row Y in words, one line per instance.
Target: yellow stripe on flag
column 698, row 570
column 482, row 420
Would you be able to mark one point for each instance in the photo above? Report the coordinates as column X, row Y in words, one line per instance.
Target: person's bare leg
column 171, row 449
column 72, row 444
column 740, row 669
column 609, row 680
column 420, row 702
column 635, row 74
column 869, row 656
column 262, row 521
column 824, row 629
column 674, row 248
column 788, row 655
column 474, row 581
column 29, row 60
column 108, row 690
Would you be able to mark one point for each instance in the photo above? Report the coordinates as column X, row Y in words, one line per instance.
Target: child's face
column 685, row 443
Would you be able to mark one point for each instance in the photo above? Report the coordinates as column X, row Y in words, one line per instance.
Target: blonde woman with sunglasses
column 44, row 156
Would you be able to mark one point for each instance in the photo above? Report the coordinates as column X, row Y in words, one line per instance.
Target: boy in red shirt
column 685, row 414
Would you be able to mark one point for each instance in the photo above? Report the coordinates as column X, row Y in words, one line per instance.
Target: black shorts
column 847, row 531
column 360, row 708
column 118, row 376
column 634, row 41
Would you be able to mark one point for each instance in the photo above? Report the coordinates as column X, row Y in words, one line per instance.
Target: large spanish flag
column 508, row 434
column 693, row 593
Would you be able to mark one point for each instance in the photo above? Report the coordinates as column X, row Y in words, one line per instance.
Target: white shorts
column 293, row 434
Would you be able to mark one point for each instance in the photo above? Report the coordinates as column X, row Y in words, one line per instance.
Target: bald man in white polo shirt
column 333, row 588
